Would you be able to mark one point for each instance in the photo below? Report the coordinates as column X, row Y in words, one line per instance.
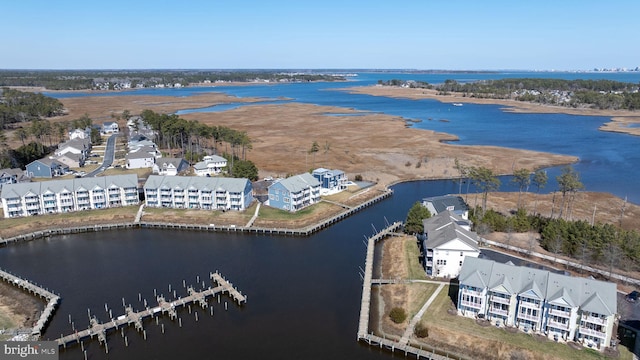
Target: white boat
column 457, row 104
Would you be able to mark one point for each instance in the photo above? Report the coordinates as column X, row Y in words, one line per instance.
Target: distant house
column 138, row 142
column 80, row 133
column 12, row 176
column 110, row 127
column 139, row 159
column 46, row 168
column 170, row 166
column 561, row 307
column 77, row 146
column 190, row 192
column 59, row 196
column 71, row 160
column 447, row 242
column 294, row 193
column 455, row 204
column 210, row 165
column 147, row 149
column 331, row 181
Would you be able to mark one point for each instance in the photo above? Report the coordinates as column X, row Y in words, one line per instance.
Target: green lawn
column 437, row 316
column 269, row 213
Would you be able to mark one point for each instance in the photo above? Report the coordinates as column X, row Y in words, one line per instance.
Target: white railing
column 471, row 304
column 591, row 332
column 498, row 311
column 556, row 312
column 500, row 300
column 558, row 325
column 593, row 319
column 528, row 317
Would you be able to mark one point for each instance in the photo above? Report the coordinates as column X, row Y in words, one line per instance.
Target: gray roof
column 589, row 294
column 138, row 155
column 37, row 188
column 297, row 183
column 173, row 161
column 235, row 185
column 215, row 158
column 320, row 171
column 49, row 162
column 442, row 203
column 11, row 172
column 445, row 227
column 77, row 143
column 200, row 165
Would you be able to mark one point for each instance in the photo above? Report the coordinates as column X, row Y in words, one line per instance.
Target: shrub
column 421, row 331
column 358, row 177
column 398, row 315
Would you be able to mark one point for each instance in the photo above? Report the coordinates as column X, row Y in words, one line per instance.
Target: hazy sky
column 407, row 34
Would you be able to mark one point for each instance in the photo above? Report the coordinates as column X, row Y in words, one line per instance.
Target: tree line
column 87, row 79
column 19, row 106
column 195, row 139
column 39, row 138
column 599, row 94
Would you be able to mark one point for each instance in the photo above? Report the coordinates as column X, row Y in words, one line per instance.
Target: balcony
column 498, row 311
column 429, row 263
column 591, row 332
column 471, row 304
column 558, row 325
column 556, row 312
column 500, row 300
column 33, row 207
column 528, row 317
column 529, row 305
column 465, row 291
column 430, row 253
column 13, row 201
column 593, row 319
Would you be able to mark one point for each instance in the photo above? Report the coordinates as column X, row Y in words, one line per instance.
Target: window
column 461, row 253
column 460, row 262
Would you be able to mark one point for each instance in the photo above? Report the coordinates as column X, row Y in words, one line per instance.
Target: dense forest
column 118, row 79
column 598, row 94
column 18, row 106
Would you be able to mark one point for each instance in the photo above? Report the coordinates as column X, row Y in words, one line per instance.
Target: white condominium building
column 59, row 196
column 561, row 307
column 188, row 192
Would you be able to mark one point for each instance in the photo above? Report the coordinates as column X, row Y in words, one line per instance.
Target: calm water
column 303, row 293
column 609, row 162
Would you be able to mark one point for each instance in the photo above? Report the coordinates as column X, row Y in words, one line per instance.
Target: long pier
column 363, row 325
column 365, row 307
column 51, row 298
column 136, row 318
column 306, row 231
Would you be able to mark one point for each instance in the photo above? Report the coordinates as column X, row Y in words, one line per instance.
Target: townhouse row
column 59, row 196
column 180, row 192
column 562, row 307
column 191, row 192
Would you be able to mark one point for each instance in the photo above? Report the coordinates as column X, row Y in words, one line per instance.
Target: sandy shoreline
column 621, row 120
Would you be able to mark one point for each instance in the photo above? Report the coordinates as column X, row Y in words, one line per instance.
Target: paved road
column 109, row 154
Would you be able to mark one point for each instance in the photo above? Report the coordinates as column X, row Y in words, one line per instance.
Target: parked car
column 632, row 296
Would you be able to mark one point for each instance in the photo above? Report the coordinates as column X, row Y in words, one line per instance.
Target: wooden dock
column 136, row 318
column 141, row 224
column 51, row 298
column 363, row 325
